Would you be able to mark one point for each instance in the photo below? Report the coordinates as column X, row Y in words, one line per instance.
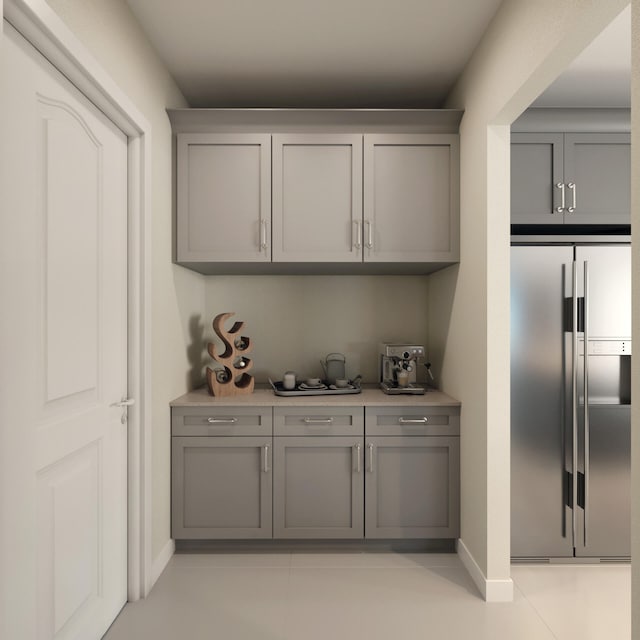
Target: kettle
column 333, row 367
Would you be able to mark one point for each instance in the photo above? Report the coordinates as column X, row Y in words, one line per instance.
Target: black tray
column 279, row 390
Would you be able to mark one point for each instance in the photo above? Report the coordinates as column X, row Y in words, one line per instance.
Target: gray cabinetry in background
column 412, row 476
column 221, row 473
column 570, row 178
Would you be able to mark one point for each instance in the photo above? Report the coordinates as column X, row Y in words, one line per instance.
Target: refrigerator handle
column 586, row 398
column 574, row 401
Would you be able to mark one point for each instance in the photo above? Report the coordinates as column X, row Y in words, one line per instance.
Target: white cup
column 313, row 382
column 289, row 380
column 403, row 378
column 341, row 383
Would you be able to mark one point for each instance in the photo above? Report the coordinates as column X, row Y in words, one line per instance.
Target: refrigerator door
column 608, row 480
column 541, row 281
column 604, row 458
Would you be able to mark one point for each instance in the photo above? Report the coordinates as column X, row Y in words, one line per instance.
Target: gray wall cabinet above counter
column 316, row 192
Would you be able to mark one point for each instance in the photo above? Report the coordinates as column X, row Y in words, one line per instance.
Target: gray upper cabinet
column 223, row 197
column 317, row 198
column 570, row 178
column 411, row 192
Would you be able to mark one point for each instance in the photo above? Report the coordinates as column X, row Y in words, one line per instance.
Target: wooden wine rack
column 233, row 378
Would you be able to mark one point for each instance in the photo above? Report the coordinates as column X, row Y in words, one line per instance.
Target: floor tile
column 579, row 602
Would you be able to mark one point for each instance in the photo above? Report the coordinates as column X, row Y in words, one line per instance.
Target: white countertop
column 371, row 396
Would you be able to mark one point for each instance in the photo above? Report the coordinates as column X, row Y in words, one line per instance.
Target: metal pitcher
column 334, row 367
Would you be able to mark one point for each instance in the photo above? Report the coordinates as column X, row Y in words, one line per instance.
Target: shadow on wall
column 196, row 353
column 442, row 289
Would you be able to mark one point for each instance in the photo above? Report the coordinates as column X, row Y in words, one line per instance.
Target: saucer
column 304, row 385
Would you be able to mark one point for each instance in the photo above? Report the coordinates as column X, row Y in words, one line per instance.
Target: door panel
column 317, row 198
column 599, row 164
column 609, row 296
column 540, row 521
column 608, row 495
column 64, row 285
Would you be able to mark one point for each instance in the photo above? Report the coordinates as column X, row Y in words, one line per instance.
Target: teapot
column 333, row 367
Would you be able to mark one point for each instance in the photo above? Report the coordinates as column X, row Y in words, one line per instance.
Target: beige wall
column 296, row 320
column 527, row 45
column 110, row 32
column 635, row 407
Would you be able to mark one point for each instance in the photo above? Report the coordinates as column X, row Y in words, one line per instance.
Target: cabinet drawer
column 322, row 420
column 221, row 421
column 412, row 421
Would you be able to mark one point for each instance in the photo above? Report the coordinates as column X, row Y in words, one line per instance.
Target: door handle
column 585, row 392
column 124, row 404
column 356, row 450
column 560, row 209
column 574, row 189
column 222, row 420
column 264, row 244
column 357, row 243
column 370, row 448
column 369, row 224
column 574, row 400
column 423, row 420
column 265, row 458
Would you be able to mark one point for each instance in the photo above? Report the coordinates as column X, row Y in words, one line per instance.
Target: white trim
column 162, row 560
column 491, row 590
column 38, row 23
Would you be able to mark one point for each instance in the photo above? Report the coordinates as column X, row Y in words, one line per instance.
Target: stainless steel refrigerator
column 570, row 405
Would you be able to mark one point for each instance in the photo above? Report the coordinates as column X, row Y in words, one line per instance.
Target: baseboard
column 491, row 590
column 161, row 561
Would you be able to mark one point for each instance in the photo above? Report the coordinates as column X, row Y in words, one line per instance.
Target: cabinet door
column 599, row 167
column 536, row 172
column 411, row 198
column 318, row 487
column 221, row 487
column 412, row 487
column 317, row 198
column 223, row 198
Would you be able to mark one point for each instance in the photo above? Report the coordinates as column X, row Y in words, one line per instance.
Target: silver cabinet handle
column 222, row 420
column 357, row 238
column 369, row 224
column 265, row 466
column 422, row 420
column 574, row 189
column 264, row 244
column 586, row 398
column 317, row 420
column 357, row 449
column 370, row 447
column 560, row 209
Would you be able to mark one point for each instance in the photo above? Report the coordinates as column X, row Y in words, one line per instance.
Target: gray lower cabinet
column 318, row 487
column 570, row 178
column 412, row 472
column 221, row 472
column 412, row 487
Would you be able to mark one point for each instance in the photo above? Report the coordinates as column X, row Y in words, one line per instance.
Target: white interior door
column 63, row 285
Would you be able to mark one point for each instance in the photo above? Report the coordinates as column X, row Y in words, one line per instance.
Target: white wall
column 110, row 32
column 527, row 45
column 295, row 320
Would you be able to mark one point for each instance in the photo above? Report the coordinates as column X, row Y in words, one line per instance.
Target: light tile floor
column 336, row 596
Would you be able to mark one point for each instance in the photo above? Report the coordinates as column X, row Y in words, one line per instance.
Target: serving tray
column 279, row 390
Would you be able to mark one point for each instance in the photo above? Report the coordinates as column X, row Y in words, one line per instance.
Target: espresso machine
column 397, row 368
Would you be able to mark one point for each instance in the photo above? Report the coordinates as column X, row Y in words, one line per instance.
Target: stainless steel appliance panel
column 609, row 291
column 541, row 279
column 605, row 512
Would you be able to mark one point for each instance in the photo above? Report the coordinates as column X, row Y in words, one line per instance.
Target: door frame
column 41, row 26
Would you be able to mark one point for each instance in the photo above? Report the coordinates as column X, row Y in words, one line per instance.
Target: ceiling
column 351, row 53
